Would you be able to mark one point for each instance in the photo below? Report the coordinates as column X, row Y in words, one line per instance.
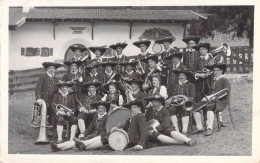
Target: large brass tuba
column 42, row 110
column 181, row 100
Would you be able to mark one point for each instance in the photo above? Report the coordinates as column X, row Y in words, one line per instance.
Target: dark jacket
column 69, row 101
column 97, row 127
column 188, row 90
column 144, row 65
column 88, row 77
column 190, row 59
column 106, row 77
column 87, row 99
column 137, row 128
column 163, row 118
column 77, row 87
column 46, row 88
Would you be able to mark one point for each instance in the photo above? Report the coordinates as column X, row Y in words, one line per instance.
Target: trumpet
column 60, row 107
column 224, row 48
column 211, row 98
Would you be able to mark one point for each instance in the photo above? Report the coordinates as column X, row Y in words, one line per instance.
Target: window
column 30, row 51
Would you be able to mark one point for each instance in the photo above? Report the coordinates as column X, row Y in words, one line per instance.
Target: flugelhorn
column 60, row 107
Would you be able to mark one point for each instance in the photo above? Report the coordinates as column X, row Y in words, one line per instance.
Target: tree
column 226, row 19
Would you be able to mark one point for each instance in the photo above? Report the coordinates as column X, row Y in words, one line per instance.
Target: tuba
column 181, row 100
column 41, row 118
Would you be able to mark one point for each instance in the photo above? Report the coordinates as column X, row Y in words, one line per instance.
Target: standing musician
column 98, row 51
column 185, row 90
column 85, row 110
column 191, row 56
column 46, row 86
column 219, row 83
column 114, row 95
column 93, row 137
column 143, row 45
column 120, row 57
column 74, row 75
column 175, row 64
column 68, row 100
column 163, row 132
column 166, row 42
column 78, row 51
column 92, row 72
column 158, row 86
column 109, row 74
column 136, row 126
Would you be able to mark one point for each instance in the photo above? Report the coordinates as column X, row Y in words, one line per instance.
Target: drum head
column 117, row 118
column 117, row 140
column 157, row 48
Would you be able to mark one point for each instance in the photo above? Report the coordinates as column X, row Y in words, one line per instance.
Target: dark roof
column 85, row 14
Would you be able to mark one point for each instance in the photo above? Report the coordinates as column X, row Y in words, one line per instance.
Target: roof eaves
column 203, row 17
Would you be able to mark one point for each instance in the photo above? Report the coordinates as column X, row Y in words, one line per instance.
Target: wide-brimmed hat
column 64, row 83
column 188, row 73
column 101, row 48
column 135, row 102
column 152, row 56
column 194, row 38
column 155, row 97
column 161, row 77
column 95, row 83
column 109, row 62
column 119, row 44
column 222, row 66
column 130, row 62
column 112, row 82
column 48, row 64
column 137, row 81
column 79, row 47
column 165, row 39
column 175, row 54
column 104, row 103
column 92, row 65
column 138, row 43
column 205, row 45
column 77, row 62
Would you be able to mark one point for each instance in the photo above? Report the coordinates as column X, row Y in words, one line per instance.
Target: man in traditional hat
column 216, row 104
column 78, row 50
column 143, row 45
column 74, row 75
column 46, row 86
column 166, row 42
column 98, row 51
column 85, row 110
column 185, row 90
column 175, row 64
column 110, row 73
column 94, row 136
column 164, row 131
column 119, row 47
column 190, row 56
column 68, row 100
column 135, row 92
column 92, row 72
column 136, row 126
column 129, row 72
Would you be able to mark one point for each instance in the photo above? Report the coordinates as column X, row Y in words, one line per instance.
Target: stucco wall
column 41, row 35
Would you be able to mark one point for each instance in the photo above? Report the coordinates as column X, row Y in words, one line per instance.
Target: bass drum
column 118, row 140
column 117, row 118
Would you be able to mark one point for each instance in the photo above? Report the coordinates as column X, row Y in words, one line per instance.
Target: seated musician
column 98, row 51
column 93, row 137
column 85, row 110
column 143, row 45
column 46, row 86
column 219, row 103
column 158, row 86
column 186, row 91
column 114, row 95
column 129, row 72
column 74, row 75
column 136, row 126
column 92, row 72
column 68, row 100
column 165, row 132
column 110, row 73
column 176, row 64
column 135, row 92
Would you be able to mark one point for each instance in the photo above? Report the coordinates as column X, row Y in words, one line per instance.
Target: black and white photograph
column 129, row 80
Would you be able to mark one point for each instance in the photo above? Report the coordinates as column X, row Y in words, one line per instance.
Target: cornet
column 60, row 107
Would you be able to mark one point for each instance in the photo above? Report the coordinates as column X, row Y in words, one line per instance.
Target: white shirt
column 93, row 74
column 176, row 66
column 181, row 83
column 63, row 94
column 109, row 73
column 144, row 53
column 217, row 78
column 51, row 76
column 101, row 116
column 205, row 57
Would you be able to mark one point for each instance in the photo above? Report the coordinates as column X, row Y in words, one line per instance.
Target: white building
column 45, row 34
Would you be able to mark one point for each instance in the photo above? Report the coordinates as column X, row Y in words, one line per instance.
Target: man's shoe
column 198, row 131
column 208, row 132
column 222, row 124
column 79, row 144
column 54, row 147
column 192, row 143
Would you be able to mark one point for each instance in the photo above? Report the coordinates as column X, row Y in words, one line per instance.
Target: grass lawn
column 228, row 141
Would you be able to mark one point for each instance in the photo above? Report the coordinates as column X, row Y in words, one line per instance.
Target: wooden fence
column 241, row 61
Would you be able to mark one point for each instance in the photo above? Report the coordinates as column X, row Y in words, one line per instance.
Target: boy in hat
column 78, row 51
column 136, row 126
column 219, row 83
column 46, row 86
column 175, row 64
column 185, row 90
column 166, row 42
column 98, row 51
column 68, row 100
column 190, row 56
column 143, row 45
column 119, row 47
column 92, row 72
column 74, row 76
column 164, row 132
column 85, row 110
column 94, row 137
column 109, row 73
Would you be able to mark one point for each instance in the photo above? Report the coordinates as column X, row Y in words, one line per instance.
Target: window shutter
column 51, row 51
column 45, row 52
column 30, row 51
column 22, row 51
column 37, row 52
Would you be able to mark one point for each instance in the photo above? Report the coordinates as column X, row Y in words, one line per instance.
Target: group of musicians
column 152, row 86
